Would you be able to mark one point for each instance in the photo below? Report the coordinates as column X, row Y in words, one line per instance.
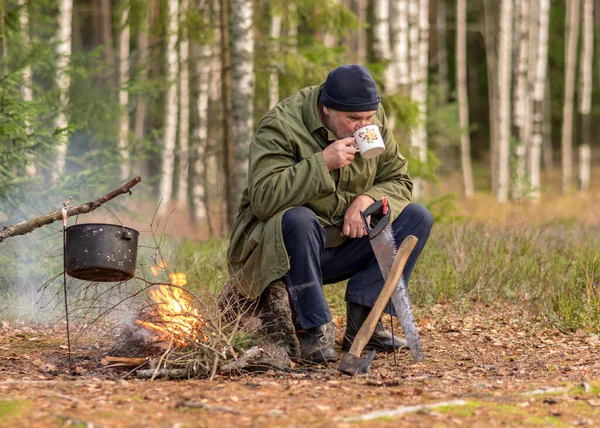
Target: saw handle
column 380, row 212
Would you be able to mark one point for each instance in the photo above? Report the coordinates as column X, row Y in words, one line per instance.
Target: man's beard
column 339, row 133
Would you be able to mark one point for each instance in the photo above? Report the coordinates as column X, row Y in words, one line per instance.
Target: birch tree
column 382, row 47
column 63, row 81
column 27, row 88
column 184, row 105
column 441, row 16
column 274, row 73
column 419, row 61
column 124, row 92
column 168, row 152
column 400, row 53
column 572, row 36
column 242, row 89
column 504, row 105
column 539, row 99
column 585, row 93
column 521, row 102
column 463, row 101
column 203, row 72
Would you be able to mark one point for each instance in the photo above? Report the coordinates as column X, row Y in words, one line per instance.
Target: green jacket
column 287, row 169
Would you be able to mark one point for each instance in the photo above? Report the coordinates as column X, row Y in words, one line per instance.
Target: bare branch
column 30, row 225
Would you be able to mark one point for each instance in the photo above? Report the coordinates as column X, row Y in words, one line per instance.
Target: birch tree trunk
column 362, row 32
column 463, row 100
column 168, row 153
column 274, row 74
column 63, row 81
column 242, row 89
column 400, row 53
column 27, row 88
column 419, row 52
column 572, row 36
column 504, row 91
column 203, row 71
column 124, row 93
column 521, row 116
column 539, row 99
column 184, row 105
column 585, row 93
column 382, row 47
column 441, row 17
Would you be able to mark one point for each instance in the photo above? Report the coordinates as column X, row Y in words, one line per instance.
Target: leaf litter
column 502, row 363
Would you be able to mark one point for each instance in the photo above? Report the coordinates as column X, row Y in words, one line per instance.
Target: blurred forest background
column 491, row 100
column 96, row 92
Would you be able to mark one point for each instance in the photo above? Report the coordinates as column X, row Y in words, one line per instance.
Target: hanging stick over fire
column 30, row 225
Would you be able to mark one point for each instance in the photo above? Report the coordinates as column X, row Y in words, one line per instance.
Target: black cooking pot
column 101, row 252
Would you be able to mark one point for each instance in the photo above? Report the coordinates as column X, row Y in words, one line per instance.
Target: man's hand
column 339, row 153
column 353, row 225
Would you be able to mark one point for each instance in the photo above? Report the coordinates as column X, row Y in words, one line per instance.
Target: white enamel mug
column 369, row 141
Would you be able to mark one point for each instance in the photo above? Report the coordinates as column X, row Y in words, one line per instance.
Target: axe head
column 353, row 365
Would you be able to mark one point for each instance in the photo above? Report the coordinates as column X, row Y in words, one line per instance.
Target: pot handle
column 124, row 234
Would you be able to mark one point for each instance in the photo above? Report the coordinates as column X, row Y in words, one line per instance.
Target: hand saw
column 383, row 243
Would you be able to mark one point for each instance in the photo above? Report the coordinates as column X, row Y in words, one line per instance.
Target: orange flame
column 173, row 306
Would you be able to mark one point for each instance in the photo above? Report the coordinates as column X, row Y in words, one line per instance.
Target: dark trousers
column 312, row 265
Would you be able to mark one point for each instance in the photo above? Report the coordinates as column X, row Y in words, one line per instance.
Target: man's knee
column 418, row 214
column 300, row 221
column 299, row 218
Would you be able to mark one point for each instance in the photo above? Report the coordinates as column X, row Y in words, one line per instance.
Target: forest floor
column 485, row 366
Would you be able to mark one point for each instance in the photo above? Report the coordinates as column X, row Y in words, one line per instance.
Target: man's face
column 344, row 123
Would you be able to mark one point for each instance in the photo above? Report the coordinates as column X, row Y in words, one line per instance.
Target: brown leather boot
column 314, row 346
column 381, row 340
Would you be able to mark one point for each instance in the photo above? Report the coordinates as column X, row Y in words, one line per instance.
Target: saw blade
column 401, row 304
column 384, row 247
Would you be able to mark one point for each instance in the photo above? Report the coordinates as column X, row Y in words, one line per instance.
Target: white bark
column 463, row 99
column 572, row 36
column 587, row 57
column 382, row 47
column 242, row 89
column 124, row 94
column 400, row 56
column 585, row 167
column 203, row 71
column 27, row 88
column 585, row 92
column 168, row 153
column 63, row 81
column 504, row 89
column 521, row 107
column 184, row 106
column 539, row 92
column 274, row 74
column 442, row 48
column 419, row 50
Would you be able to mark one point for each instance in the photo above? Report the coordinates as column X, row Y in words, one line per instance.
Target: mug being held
column 369, row 141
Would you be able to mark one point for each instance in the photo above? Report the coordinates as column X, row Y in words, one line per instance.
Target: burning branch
column 30, row 225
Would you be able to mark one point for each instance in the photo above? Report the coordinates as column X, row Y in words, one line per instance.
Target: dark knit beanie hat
column 350, row 88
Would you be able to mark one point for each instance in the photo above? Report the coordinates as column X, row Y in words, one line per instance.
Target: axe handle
column 366, row 330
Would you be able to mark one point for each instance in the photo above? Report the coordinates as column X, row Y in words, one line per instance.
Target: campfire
column 171, row 316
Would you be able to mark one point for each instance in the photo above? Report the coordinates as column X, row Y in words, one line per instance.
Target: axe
column 352, row 363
